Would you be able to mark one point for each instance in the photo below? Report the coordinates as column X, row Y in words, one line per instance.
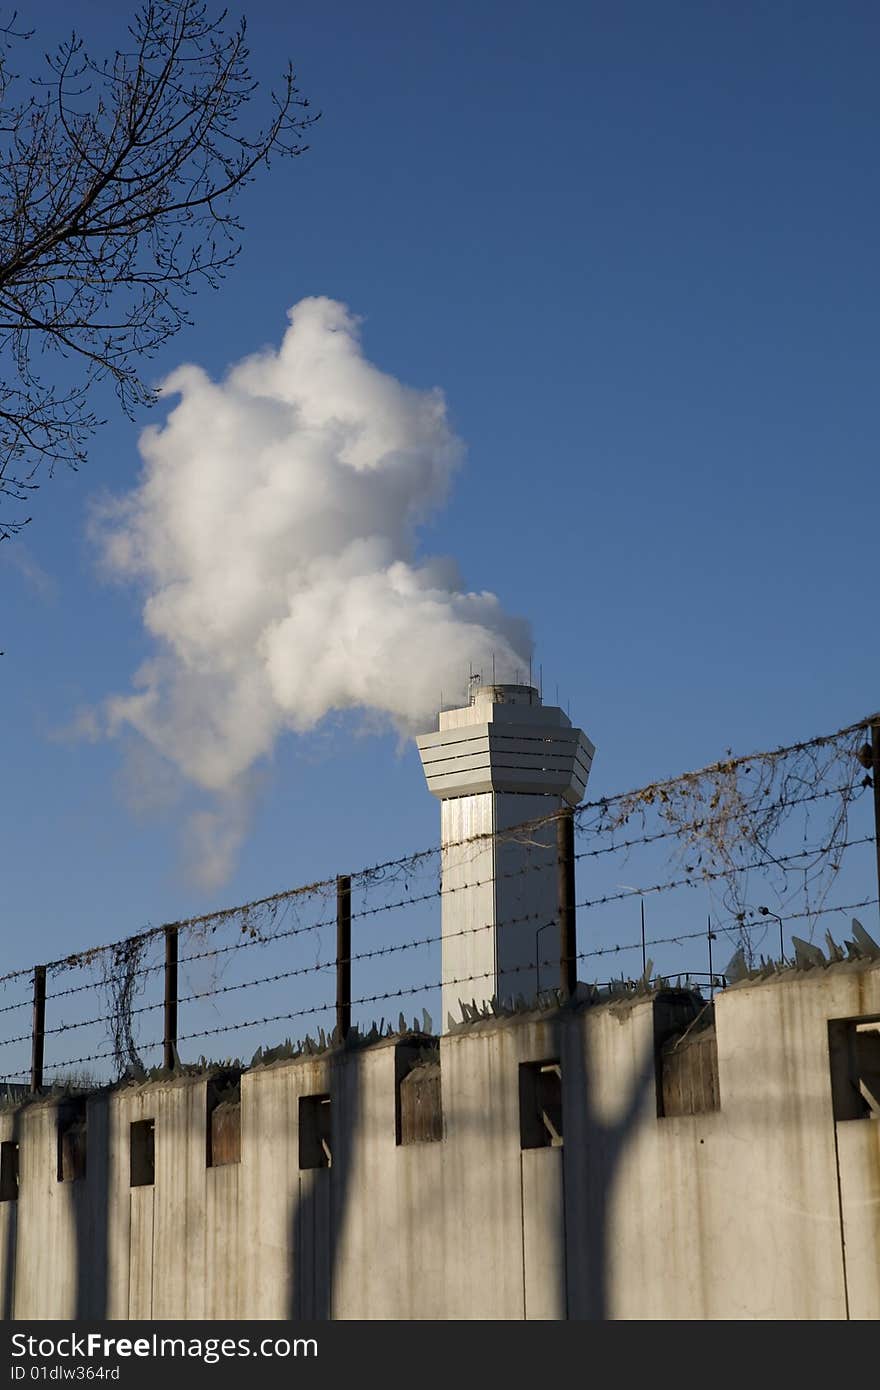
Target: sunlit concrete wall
column 766, row 1208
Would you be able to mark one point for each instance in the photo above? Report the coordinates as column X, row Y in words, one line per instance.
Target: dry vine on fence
column 122, row 971
column 735, row 815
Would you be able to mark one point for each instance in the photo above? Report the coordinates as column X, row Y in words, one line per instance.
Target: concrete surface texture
column 556, row 1190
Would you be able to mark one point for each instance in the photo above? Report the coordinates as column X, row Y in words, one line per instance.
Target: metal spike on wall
column 736, row 968
column 834, row 952
column 864, row 940
column 806, row 954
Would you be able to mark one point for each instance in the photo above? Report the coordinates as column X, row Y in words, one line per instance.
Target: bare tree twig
column 117, row 193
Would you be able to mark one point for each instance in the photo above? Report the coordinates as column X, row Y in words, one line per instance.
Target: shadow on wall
column 601, row 1116
column 593, row 1155
column 327, row 1125
column 90, row 1196
column 83, row 1182
column 593, row 1150
column 11, row 1204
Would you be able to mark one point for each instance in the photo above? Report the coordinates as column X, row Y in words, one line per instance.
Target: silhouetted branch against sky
column 117, row 203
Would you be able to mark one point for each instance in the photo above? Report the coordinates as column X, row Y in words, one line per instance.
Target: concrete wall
column 765, row 1208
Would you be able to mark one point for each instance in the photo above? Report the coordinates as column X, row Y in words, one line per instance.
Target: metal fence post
column 566, row 900
column 170, row 1039
column 39, row 1029
column 343, row 956
column 875, row 759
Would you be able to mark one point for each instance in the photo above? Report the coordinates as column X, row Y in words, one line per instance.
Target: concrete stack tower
column 503, row 759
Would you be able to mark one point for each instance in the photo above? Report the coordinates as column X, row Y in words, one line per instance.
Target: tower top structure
column 506, row 740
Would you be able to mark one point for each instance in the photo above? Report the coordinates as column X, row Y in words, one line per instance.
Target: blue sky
column 635, row 245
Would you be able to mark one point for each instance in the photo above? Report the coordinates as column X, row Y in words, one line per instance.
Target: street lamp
column 765, row 912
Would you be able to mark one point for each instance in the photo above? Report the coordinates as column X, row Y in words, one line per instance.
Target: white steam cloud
column 274, row 531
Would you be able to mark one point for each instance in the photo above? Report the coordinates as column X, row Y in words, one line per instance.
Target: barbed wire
column 730, row 924
column 639, row 798
column 689, row 881
column 617, row 948
column 693, row 879
column 695, row 825
column 441, row 892
column 25, row 1004
column 719, row 836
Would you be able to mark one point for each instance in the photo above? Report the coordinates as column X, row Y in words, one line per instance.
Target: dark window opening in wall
column 540, row 1105
column 142, row 1153
column 689, row 1074
column 421, row 1107
column 223, row 1121
column 72, row 1141
column 8, row 1171
column 685, row 1055
column 314, row 1132
column 854, row 1052
column 418, row 1096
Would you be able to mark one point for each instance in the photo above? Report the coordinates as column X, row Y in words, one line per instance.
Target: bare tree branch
column 116, row 204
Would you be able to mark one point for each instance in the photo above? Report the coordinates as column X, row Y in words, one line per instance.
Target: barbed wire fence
column 748, row 858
